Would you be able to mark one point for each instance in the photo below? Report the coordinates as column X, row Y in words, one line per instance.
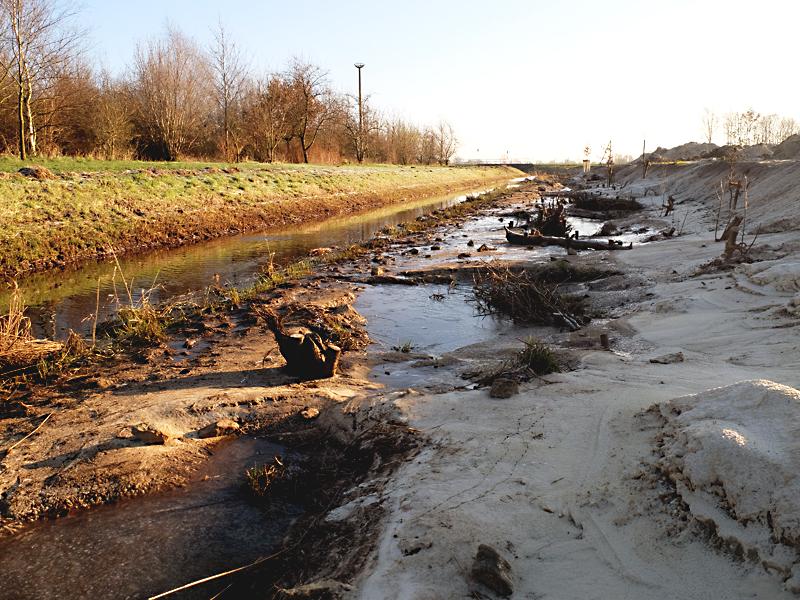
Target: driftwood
column 307, row 355
column 522, row 239
column 669, row 206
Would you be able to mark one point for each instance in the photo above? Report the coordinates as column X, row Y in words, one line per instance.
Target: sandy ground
column 582, row 481
column 566, row 480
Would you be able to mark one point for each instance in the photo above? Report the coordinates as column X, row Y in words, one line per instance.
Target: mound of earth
column 688, row 151
column 756, row 152
column 788, row 149
column 734, row 455
column 722, row 151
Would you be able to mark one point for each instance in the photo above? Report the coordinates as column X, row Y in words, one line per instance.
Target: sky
column 530, row 79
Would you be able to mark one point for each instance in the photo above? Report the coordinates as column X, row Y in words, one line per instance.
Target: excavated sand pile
column 734, row 455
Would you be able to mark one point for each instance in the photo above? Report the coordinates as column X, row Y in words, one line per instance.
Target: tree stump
column 307, row 355
column 734, row 224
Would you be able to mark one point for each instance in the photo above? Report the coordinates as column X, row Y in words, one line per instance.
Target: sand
column 623, row 478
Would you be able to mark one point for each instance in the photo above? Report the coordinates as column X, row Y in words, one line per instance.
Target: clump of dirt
column 37, row 172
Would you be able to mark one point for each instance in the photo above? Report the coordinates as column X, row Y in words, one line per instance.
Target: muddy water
column 60, row 301
column 143, row 547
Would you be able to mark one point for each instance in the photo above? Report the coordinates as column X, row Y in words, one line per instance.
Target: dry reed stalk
column 17, row 344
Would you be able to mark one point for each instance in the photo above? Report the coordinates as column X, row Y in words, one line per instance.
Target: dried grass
column 18, row 347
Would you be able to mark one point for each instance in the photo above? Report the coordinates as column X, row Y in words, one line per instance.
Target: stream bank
column 70, row 218
column 547, row 476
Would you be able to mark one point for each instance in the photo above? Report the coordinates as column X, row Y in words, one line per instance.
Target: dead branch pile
column 523, row 297
column 552, row 221
column 595, row 202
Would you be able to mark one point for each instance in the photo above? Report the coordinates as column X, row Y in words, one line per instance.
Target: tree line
column 747, row 128
column 178, row 99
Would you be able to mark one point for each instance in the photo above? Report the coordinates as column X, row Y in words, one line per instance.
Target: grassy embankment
column 95, row 208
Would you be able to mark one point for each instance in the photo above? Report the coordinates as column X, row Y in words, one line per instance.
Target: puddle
column 143, row 547
column 398, row 314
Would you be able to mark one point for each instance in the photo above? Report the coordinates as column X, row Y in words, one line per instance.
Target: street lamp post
column 360, row 145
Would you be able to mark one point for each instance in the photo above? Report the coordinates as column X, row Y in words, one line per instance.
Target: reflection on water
column 142, row 547
column 66, row 300
column 434, row 318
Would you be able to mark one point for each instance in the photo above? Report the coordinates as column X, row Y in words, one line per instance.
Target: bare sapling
column 608, row 159
column 734, row 234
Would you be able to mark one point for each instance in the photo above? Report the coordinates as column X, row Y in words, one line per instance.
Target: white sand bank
column 564, row 479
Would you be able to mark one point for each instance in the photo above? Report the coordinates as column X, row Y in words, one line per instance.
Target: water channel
column 148, row 545
column 68, row 299
column 145, row 546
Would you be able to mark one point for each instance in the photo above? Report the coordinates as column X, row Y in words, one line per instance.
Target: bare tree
column 231, row 68
column 709, row 123
column 268, row 114
column 446, row 142
column 427, row 148
column 112, row 118
column 170, row 88
column 42, row 37
column 360, row 123
column 313, row 100
column 404, row 140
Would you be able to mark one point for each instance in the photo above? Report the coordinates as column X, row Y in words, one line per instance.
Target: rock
column 572, row 251
column 149, row 434
column 223, row 427
column 124, row 434
column 485, row 248
column 309, row 413
column 436, row 247
column 793, row 584
column 414, row 251
column 464, row 255
column 321, row 590
column 472, row 243
column 668, row 359
column 320, row 251
column 376, row 271
column 504, row 388
column 492, row 570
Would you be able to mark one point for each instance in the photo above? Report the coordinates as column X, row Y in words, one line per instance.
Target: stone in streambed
column 504, row 388
column 149, row 434
column 220, row 428
column 309, row 413
column 492, row 570
column 668, row 359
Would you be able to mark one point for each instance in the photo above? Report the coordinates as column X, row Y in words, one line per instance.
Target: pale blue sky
column 534, row 78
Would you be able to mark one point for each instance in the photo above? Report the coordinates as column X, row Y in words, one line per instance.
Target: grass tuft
column 540, row 358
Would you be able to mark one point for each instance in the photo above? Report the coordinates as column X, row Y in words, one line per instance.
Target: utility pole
column 360, row 145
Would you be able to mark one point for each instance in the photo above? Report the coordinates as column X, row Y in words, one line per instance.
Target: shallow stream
column 146, row 546
column 68, row 299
